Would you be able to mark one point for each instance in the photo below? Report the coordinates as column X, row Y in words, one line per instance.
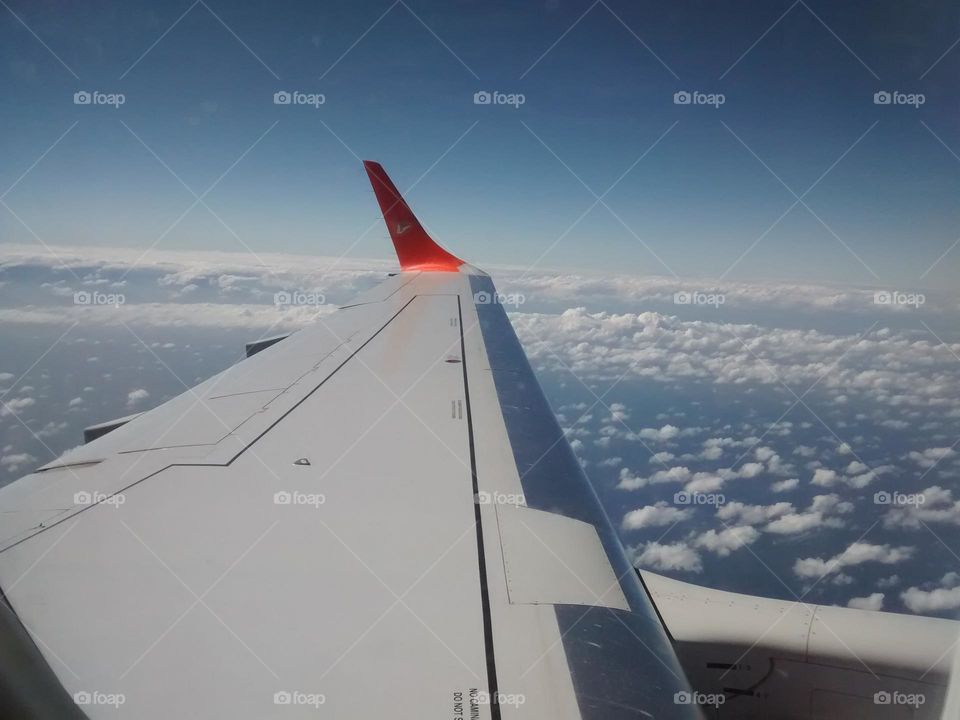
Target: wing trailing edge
column 416, row 250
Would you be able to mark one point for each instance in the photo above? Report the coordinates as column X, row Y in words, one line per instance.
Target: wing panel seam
column 481, row 553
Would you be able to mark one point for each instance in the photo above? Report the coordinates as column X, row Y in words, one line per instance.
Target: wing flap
column 552, row 559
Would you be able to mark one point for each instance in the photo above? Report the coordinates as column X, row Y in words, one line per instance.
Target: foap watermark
column 298, row 297
column 695, row 97
column 484, row 698
column 694, row 498
column 95, row 97
column 698, row 698
column 495, row 97
column 898, row 498
column 695, row 297
column 895, row 97
column 296, row 97
column 295, row 497
column 298, row 697
column 485, row 497
column 95, row 497
column 895, row 297
column 96, row 697
column 498, row 298
column 95, row 297
column 885, row 697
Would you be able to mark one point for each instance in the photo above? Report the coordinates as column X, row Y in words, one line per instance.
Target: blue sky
column 705, row 188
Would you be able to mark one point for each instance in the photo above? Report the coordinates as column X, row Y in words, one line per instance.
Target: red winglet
column 415, row 249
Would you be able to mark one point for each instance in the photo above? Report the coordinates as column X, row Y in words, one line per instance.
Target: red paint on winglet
column 416, row 250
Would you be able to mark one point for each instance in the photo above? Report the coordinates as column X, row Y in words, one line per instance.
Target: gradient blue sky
column 599, row 82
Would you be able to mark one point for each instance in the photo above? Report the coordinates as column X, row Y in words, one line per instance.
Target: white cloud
column 14, row 462
column 821, row 513
column 937, row 600
column 728, row 540
column 51, row 429
column 830, row 504
column 795, row 523
column 864, row 476
column 135, row 397
column 824, row 477
column 873, row 601
column 938, row 506
column 618, row 412
column 856, row 554
column 895, row 369
column 704, row 482
column 646, row 290
column 776, row 466
column 14, row 406
column 752, row 514
column 655, row 516
column 862, row 480
column 931, row 456
column 667, row 432
column 720, row 442
column 672, row 556
column 764, row 453
column 662, row 457
column 785, row 485
column 711, row 453
column 201, row 315
column 630, row 481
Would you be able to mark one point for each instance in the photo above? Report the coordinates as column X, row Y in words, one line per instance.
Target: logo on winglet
column 403, row 227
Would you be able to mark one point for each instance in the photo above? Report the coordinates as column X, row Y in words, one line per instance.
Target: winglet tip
column 416, row 250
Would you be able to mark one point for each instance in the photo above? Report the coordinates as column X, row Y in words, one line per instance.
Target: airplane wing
column 377, row 516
